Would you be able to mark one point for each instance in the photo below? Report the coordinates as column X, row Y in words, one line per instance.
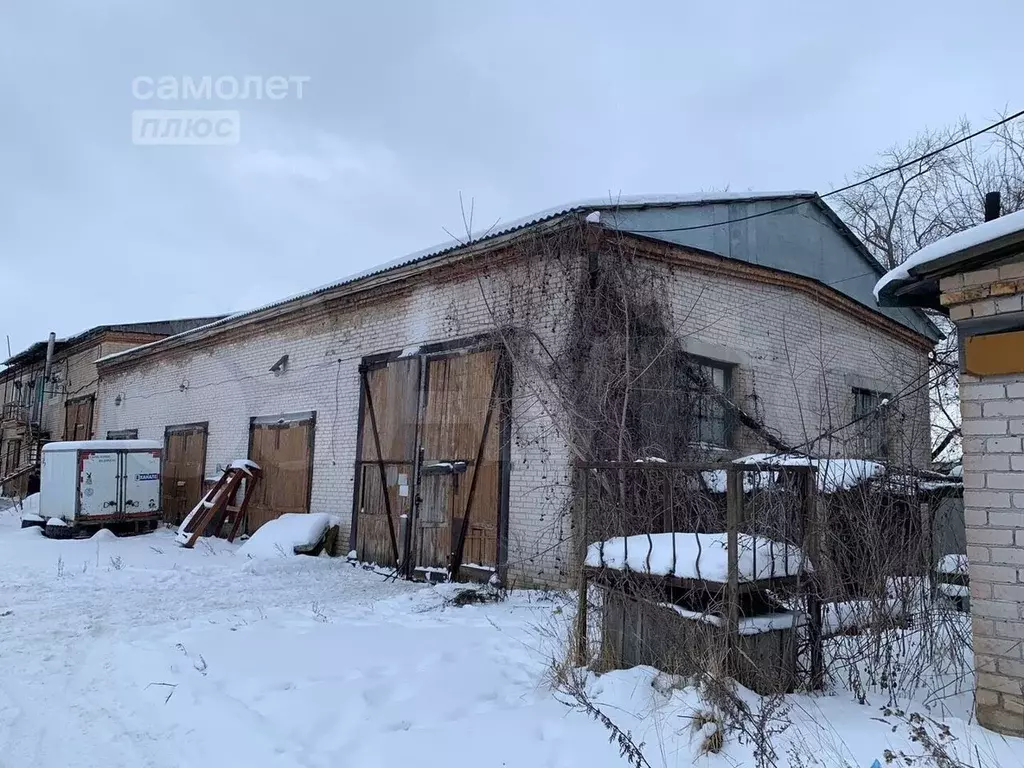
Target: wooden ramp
column 209, row 515
column 18, row 473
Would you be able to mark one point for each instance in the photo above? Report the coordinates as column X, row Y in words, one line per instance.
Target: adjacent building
column 434, row 403
column 49, row 391
column 976, row 277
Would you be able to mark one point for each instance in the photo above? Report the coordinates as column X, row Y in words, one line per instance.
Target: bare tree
column 902, row 212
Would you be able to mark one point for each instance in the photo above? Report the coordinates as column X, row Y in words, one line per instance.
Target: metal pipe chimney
column 49, row 358
column 993, row 207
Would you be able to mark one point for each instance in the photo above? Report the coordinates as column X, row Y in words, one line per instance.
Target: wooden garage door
column 283, row 448
column 458, row 397
column 183, row 470
column 394, row 391
column 78, row 419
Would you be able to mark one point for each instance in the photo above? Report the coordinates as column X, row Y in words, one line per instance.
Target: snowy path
column 134, row 652
column 137, row 653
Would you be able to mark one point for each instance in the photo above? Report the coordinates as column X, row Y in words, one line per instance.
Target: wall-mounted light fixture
column 280, row 366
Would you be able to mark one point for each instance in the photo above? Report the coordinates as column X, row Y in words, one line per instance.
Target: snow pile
column 953, row 564
column 154, row 662
column 697, row 556
column 56, row 522
column 280, row 537
column 103, row 534
column 30, row 508
column 947, row 246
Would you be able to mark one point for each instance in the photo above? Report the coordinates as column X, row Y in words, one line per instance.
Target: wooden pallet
column 213, row 509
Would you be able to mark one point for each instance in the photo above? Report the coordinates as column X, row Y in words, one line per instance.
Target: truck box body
column 101, row 481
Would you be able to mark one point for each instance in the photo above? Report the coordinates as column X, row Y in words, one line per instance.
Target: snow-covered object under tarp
column 30, row 507
column 954, row 564
column 947, row 246
column 832, row 474
column 954, row 590
column 281, row 537
column 697, row 556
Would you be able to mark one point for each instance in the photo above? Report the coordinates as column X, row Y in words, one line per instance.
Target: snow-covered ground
column 135, row 652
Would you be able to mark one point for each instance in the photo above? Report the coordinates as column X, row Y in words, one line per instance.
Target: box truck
column 93, row 484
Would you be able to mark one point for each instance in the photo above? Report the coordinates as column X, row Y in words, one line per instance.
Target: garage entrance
column 184, row 468
column 283, row 448
column 438, row 420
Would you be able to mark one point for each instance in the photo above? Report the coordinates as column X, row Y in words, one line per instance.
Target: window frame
column 869, row 421
column 727, row 421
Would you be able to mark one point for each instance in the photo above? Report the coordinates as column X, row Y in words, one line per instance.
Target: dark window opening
column 871, row 423
column 710, row 422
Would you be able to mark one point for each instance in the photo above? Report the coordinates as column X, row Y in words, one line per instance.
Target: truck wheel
column 58, row 531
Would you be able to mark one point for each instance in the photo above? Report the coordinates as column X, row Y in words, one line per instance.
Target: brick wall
column 799, row 359
column 229, row 382
column 794, row 352
column 992, row 410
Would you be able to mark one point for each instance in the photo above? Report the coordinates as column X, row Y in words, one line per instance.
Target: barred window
column 871, row 423
column 711, row 420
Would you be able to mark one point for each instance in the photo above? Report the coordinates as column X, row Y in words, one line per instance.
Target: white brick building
column 779, row 312
column 977, row 277
column 62, row 407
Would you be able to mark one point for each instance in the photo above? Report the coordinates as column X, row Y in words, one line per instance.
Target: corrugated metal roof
column 157, row 327
column 549, row 214
column 609, row 203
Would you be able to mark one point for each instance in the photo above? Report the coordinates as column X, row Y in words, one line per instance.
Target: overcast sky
column 518, row 106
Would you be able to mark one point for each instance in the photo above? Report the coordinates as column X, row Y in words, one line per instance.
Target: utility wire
column 847, row 188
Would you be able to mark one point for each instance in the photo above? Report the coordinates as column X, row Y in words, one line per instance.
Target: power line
column 847, row 188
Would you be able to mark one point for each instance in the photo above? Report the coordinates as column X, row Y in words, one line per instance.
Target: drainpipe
column 49, row 357
column 41, row 396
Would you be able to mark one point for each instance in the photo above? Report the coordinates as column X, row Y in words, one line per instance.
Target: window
column 711, row 422
column 871, row 423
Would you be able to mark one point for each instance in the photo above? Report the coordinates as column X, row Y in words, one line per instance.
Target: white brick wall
column 805, row 358
column 800, row 353
column 993, row 465
column 230, row 382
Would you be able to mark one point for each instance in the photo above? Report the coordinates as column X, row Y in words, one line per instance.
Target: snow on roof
column 948, row 246
column 496, row 230
column 697, row 556
column 102, row 445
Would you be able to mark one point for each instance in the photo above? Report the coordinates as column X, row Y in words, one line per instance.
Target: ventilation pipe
column 993, row 207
